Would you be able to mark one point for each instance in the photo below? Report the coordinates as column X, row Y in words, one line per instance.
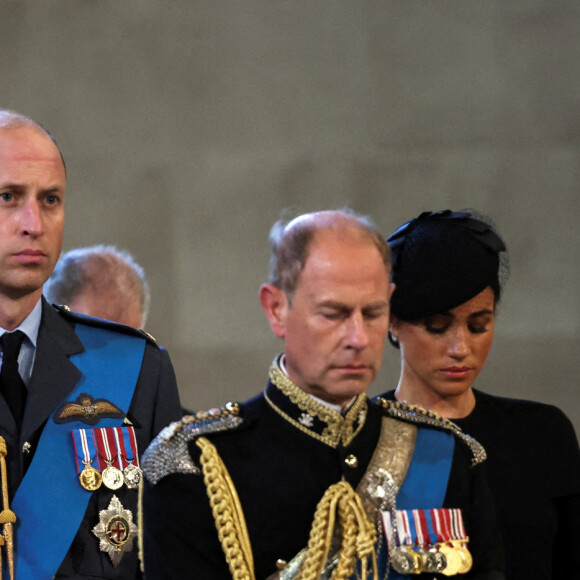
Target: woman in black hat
column 449, row 269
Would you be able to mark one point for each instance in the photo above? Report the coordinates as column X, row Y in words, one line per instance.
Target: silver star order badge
column 115, row 530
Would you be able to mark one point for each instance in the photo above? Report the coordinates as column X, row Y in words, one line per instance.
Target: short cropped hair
column 290, row 241
column 103, row 268
column 9, row 118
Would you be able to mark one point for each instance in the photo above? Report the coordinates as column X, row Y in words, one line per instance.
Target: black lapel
column 7, row 422
column 53, row 374
column 8, row 427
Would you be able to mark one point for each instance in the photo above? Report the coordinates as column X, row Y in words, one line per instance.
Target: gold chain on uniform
column 227, row 512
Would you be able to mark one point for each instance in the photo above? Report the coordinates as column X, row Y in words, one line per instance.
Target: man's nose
column 31, row 219
column 357, row 333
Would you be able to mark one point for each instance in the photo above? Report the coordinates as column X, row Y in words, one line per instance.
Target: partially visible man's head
column 328, row 298
column 10, row 118
column 290, row 241
column 101, row 281
column 13, row 119
column 32, row 186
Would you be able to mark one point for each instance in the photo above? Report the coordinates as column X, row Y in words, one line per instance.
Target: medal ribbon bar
column 427, row 541
column 85, row 449
column 127, row 445
column 107, row 445
column 127, row 450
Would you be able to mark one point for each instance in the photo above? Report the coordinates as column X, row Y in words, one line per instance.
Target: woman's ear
column 393, row 334
column 393, row 325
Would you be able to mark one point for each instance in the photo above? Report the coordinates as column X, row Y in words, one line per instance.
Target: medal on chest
column 427, row 541
column 107, row 456
column 86, row 454
column 115, row 530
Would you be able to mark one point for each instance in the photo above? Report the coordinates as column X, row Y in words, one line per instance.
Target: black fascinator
column 443, row 259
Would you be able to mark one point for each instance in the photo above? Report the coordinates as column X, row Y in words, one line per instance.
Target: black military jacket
column 283, row 452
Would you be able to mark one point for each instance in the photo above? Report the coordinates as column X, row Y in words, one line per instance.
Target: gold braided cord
column 227, row 512
column 7, row 517
column 354, row 532
column 140, row 537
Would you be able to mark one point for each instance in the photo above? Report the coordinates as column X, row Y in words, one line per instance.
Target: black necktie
column 11, row 384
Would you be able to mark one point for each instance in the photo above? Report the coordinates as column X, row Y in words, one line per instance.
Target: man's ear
column 275, row 304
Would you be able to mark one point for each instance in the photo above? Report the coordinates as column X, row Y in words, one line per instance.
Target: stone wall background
column 188, row 125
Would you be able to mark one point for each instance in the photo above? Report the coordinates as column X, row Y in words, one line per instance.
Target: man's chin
column 357, row 382
column 24, row 287
column 345, row 391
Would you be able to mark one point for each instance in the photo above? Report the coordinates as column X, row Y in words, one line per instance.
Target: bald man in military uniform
column 87, row 397
column 248, row 490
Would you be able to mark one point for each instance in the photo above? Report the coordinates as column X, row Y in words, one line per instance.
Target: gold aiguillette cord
column 7, row 516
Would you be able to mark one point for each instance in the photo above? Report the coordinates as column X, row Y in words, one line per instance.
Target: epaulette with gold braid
column 168, row 452
column 416, row 414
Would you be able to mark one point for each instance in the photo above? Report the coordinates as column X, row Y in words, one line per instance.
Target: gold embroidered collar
column 310, row 416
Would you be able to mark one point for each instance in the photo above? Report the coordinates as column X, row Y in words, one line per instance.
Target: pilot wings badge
column 88, row 410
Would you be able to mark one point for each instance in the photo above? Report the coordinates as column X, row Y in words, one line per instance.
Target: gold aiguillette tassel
column 7, row 517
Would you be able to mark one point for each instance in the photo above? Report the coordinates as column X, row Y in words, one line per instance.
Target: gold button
column 351, row 460
column 26, row 447
column 281, row 564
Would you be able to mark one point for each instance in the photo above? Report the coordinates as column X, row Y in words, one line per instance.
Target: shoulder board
column 169, row 451
column 421, row 416
column 76, row 317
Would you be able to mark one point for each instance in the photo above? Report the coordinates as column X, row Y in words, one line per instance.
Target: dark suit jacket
column 155, row 403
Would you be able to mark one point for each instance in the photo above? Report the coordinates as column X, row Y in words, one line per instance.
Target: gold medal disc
column 453, row 559
column 416, row 566
column 464, row 554
column 90, row 478
column 113, row 477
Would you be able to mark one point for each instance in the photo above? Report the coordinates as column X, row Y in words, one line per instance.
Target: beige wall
column 188, row 125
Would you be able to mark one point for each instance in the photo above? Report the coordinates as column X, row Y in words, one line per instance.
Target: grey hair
column 100, row 267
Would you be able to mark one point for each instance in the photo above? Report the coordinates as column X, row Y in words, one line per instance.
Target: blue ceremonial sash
column 425, row 484
column 50, row 503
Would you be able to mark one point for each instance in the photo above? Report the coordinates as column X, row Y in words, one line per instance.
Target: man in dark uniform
column 87, row 397
column 243, row 490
